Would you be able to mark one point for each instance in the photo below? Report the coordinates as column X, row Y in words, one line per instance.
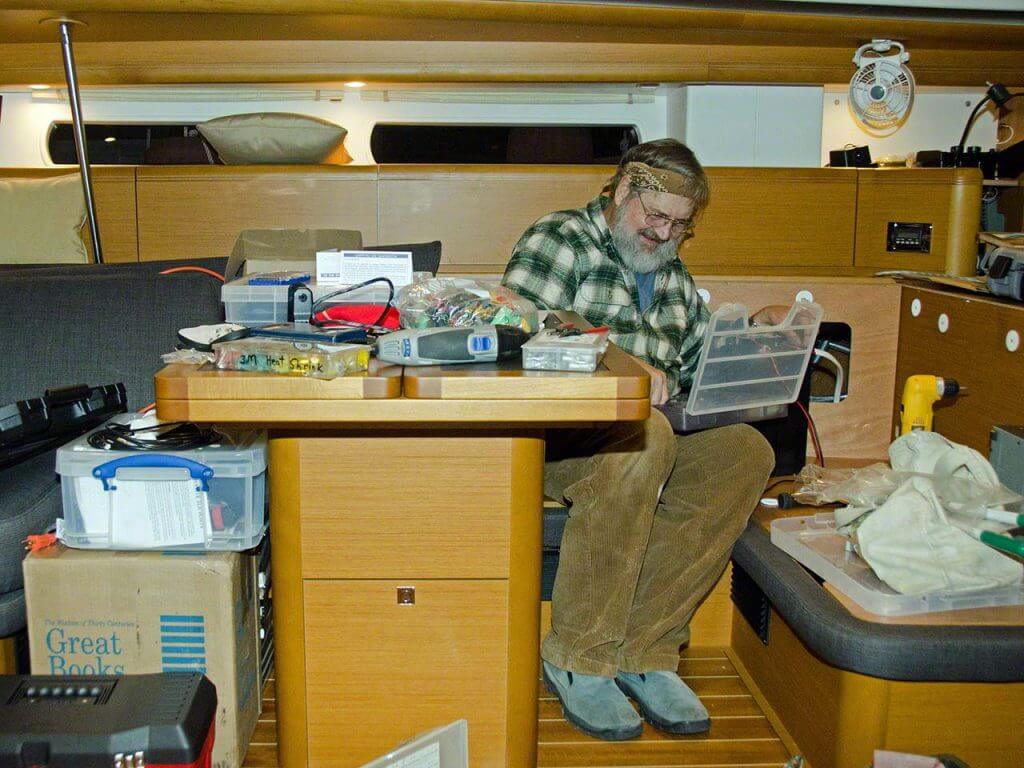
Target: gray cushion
column 12, row 612
column 966, row 653
column 29, row 503
column 98, row 324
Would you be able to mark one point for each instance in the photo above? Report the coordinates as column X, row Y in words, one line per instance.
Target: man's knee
column 752, row 450
column 660, row 441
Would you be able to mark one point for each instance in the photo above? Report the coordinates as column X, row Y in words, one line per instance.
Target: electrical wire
column 814, row 434
column 819, row 353
column 170, row 436
column 203, row 270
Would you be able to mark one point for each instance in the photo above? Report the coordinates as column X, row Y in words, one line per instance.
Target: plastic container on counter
column 813, row 541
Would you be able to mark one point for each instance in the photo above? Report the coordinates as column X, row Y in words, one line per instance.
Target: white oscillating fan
column 882, row 89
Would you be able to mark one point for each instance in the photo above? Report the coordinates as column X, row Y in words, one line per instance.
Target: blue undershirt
column 645, row 288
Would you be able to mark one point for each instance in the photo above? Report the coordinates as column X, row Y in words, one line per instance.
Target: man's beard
column 634, row 255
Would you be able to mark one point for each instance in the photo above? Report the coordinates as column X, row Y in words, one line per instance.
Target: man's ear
column 621, row 191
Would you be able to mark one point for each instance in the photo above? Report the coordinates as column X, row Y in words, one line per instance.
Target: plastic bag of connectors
column 866, row 486
column 460, row 302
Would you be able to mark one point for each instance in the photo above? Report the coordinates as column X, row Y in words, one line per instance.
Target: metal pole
column 71, row 75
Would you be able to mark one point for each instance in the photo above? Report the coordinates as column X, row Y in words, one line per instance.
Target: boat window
column 559, row 144
column 131, row 144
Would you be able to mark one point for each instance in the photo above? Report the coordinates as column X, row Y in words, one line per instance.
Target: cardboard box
column 102, row 612
column 272, row 250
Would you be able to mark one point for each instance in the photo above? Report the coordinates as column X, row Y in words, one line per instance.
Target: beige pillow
column 41, row 221
column 272, row 137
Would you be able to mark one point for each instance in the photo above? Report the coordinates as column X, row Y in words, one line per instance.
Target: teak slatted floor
column 740, row 733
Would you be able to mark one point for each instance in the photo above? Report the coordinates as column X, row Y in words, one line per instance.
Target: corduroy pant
column 653, row 520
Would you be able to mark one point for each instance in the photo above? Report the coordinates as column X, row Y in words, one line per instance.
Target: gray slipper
column 665, row 701
column 593, row 704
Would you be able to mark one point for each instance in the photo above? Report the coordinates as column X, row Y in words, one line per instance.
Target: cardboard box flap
column 275, row 249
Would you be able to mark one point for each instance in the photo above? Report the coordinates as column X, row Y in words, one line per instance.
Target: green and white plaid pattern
column 567, row 261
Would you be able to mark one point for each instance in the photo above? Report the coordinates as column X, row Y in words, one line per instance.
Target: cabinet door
column 379, row 672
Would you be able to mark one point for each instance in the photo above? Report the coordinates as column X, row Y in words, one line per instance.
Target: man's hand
column 773, row 314
column 659, row 382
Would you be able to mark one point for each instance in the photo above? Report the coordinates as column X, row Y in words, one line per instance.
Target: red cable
column 814, row 435
column 204, row 270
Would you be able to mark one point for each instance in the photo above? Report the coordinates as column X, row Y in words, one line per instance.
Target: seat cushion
column 104, row 324
column 41, row 220
column 12, row 612
column 29, row 503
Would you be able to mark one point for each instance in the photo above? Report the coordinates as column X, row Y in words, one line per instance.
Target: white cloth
column 913, row 543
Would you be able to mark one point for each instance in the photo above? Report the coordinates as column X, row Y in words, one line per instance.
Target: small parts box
column 158, row 721
column 551, row 350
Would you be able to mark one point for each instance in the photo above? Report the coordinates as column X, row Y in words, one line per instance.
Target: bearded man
column 653, row 515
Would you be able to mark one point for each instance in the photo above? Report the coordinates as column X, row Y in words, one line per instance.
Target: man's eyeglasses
column 682, row 228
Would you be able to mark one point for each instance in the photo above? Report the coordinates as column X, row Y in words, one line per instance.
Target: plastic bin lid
column 743, row 366
column 242, row 454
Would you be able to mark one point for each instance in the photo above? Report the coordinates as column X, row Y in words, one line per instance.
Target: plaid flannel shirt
column 567, row 261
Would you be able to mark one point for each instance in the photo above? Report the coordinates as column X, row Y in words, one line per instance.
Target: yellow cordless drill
column 920, row 393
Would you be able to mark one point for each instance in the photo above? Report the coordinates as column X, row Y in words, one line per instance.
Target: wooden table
column 406, row 540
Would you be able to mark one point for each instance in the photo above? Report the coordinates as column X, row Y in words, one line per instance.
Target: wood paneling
column 429, row 510
column 972, row 351
column 478, row 212
column 948, row 199
column 386, row 672
column 859, row 426
column 762, row 217
column 174, row 42
column 114, row 192
column 190, row 212
column 761, row 220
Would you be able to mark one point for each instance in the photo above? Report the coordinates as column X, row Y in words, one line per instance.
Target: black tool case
column 157, row 721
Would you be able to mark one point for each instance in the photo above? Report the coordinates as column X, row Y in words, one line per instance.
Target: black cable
column 171, row 436
column 318, row 305
column 974, row 114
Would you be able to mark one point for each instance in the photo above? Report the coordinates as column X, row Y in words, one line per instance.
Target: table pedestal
column 406, row 584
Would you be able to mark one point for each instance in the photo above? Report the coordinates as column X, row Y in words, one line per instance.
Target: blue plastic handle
column 200, row 472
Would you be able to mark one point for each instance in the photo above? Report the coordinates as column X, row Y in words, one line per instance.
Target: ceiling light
column 355, row 84
column 39, row 87
column 110, row 139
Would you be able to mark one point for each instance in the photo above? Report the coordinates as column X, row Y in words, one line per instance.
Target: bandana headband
column 656, row 179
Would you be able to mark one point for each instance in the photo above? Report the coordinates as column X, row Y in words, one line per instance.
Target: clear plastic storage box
column 744, row 372
column 205, row 498
column 813, row 542
column 551, row 351
column 743, row 366
column 252, row 304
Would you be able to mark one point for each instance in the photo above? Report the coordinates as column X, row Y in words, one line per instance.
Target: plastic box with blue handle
column 208, row 498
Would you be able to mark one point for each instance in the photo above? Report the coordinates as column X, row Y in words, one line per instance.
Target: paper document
column 147, row 513
column 352, row 267
column 428, row 757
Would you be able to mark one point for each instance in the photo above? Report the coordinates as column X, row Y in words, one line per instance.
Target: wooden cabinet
column 947, row 199
column 382, row 667
column 409, row 588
